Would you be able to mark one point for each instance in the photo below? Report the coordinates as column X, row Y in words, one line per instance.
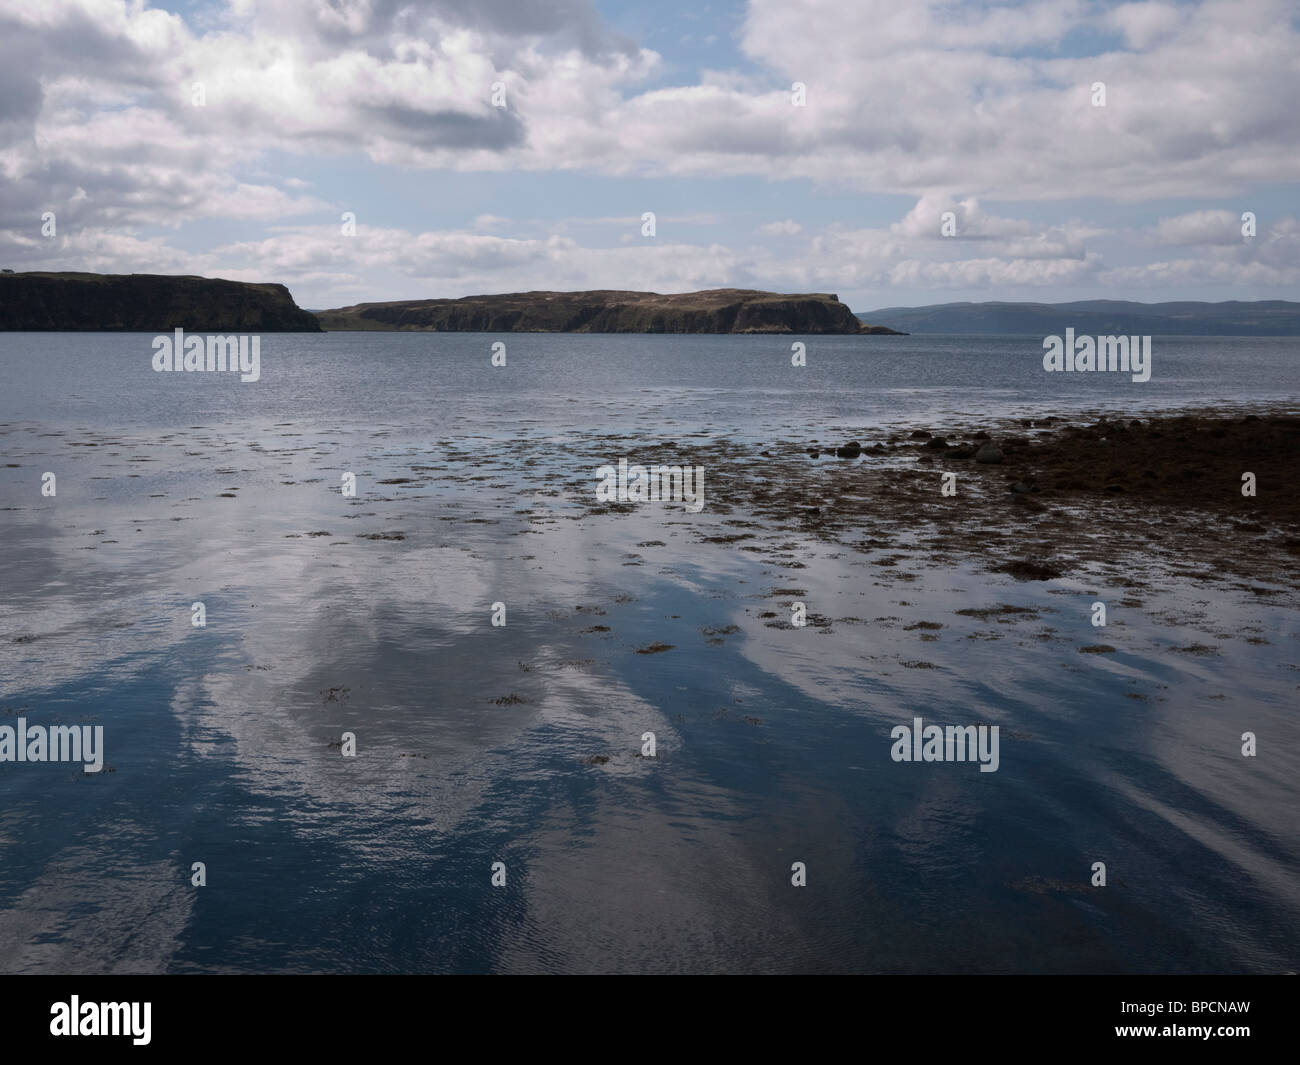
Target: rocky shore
column 1039, row 498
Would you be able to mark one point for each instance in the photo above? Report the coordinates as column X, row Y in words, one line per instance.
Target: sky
column 894, row 152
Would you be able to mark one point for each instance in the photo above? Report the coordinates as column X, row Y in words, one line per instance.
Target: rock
column 920, row 434
column 936, row 443
column 814, row 454
column 989, row 454
column 851, row 450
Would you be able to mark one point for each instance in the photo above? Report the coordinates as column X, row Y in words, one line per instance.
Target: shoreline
column 1057, row 491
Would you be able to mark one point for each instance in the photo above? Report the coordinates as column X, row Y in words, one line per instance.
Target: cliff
column 149, row 303
column 723, row 310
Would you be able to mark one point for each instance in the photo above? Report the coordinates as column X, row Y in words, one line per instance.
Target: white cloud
column 1144, row 23
column 1198, row 101
column 324, row 268
column 926, row 221
column 1199, row 227
column 947, row 103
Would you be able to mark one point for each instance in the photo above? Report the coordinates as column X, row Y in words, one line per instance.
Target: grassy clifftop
column 147, row 303
column 723, row 310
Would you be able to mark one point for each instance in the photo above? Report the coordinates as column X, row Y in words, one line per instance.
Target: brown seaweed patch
column 1027, row 570
column 984, row 613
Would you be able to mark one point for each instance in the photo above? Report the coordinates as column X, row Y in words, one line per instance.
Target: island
column 720, row 310
column 148, row 303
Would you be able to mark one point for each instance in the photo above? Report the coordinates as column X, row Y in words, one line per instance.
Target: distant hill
column 147, row 303
column 723, row 310
column 1098, row 318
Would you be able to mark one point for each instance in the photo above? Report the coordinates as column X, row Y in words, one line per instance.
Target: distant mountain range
column 1096, row 318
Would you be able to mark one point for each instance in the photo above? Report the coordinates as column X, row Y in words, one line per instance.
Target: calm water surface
column 481, row 744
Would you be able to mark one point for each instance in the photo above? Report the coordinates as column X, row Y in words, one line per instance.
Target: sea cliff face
column 147, row 303
column 607, row 311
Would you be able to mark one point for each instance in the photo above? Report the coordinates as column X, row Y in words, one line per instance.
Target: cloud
column 1143, row 24
column 325, row 268
column 1199, row 227
column 926, row 221
column 953, row 105
column 1271, row 259
column 1198, row 97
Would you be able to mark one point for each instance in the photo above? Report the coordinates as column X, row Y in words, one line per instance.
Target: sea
column 464, row 721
